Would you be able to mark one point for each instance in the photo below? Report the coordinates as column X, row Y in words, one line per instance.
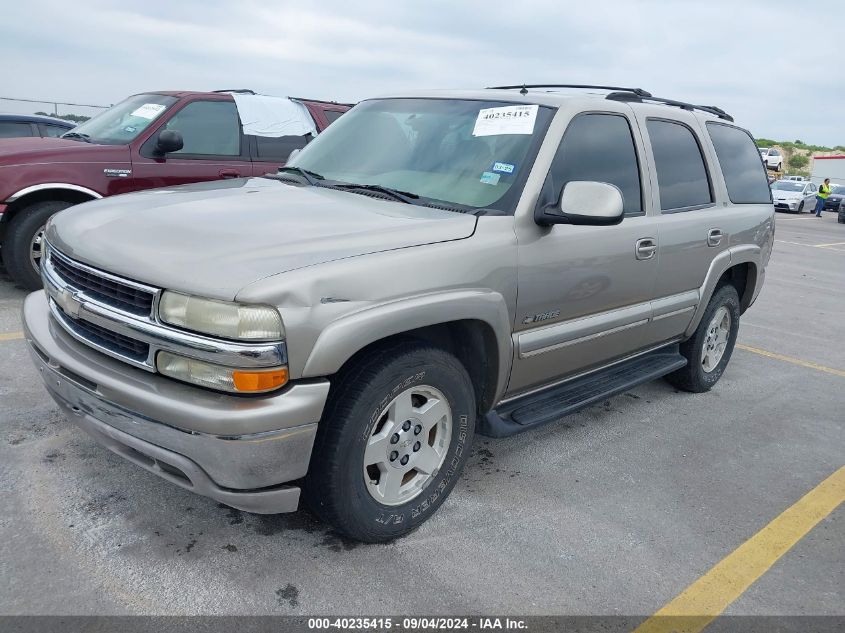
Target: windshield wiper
column 402, row 196
column 310, row 176
column 84, row 137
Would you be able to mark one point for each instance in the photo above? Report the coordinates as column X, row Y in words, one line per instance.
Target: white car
column 794, row 195
column 798, row 178
column 772, row 158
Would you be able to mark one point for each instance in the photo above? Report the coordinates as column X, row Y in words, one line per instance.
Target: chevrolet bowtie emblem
column 69, row 302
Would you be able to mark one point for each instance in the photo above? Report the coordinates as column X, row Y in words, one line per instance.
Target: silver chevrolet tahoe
column 433, row 266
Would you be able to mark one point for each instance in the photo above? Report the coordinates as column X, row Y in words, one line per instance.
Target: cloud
column 765, row 62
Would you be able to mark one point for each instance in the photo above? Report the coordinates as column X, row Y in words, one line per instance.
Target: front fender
column 343, row 338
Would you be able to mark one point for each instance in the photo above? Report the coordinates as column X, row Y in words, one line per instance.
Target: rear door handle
column 714, row 237
column 646, row 248
column 229, row 173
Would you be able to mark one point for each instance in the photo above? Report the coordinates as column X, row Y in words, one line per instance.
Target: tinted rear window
column 278, row 149
column 744, row 175
column 681, row 174
column 332, row 115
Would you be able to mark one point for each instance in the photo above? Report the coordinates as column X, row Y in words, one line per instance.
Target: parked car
column 772, row 158
column 797, row 178
column 344, row 328
column 792, row 195
column 32, row 125
column 841, row 216
column 834, row 200
column 148, row 140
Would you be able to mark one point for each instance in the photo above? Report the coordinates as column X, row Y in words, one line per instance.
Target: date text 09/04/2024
column 417, row 623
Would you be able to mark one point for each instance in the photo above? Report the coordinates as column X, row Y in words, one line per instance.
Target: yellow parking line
column 11, row 336
column 794, row 361
column 701, row 602
column 831, row 244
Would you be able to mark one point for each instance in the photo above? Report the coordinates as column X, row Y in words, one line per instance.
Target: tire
column 778, row 167
column 18, row 244
column 696, row 377
column 361, row 408
column 801, row 208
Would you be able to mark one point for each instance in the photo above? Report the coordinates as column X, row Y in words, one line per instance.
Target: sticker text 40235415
column 517, row 119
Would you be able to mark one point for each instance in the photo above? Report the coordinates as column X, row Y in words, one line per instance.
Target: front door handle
column 229, row 173
column 646, row 248
column 714, row 237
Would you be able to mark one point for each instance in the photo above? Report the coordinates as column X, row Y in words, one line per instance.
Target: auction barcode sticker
column 148, row 111
column 506, row 120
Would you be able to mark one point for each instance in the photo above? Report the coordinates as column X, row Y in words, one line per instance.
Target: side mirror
column 584, row 202
column 169, row 141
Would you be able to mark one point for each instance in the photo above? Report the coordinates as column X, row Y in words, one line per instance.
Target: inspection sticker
column 489, row 178
column 504, row 168
column 507, row 120
column 148, row 111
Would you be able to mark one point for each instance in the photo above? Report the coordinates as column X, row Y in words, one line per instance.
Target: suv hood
column 214, row 238
column 19, row 151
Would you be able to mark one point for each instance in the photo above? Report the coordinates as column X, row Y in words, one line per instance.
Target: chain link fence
column 76, row 112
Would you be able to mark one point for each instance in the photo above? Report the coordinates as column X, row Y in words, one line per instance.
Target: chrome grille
column 117, row 316
column 105, row 288
column 106, row 339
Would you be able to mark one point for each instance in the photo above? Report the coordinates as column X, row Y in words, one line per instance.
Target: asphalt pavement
column 614, row 510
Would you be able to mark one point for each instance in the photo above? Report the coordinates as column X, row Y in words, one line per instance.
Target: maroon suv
column 149, row 140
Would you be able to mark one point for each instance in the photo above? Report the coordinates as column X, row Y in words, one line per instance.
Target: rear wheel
column 24, row 242
column 709, row 350
column 392, row 441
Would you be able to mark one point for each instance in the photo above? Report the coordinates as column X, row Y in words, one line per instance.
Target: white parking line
column 828, row 247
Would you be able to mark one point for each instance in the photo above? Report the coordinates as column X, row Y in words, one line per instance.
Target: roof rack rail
column 627, row 96
column 240, row 91
column 523, row 89
column 340, row 103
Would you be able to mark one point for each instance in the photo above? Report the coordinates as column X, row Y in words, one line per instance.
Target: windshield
column 788, row 185
column 122, row 123
column 838, row 189
column 474, row 154
column 764, row 150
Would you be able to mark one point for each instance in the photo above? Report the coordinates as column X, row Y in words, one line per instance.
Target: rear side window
column 744, row 176
column 279, row 149
column 599, row 147
column 52, row 131
column 13, row 129
column 332, row 115
column 681, row 174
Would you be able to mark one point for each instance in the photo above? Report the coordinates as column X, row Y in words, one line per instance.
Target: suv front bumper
column 237, row 450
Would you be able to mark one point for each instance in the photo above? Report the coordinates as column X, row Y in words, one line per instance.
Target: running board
column 555, row 402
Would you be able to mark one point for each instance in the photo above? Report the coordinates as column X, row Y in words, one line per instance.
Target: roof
column 558, row 96
column 36, row 118
column 227, row 94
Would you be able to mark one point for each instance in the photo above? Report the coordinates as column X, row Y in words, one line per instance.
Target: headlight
column 221, row 318
column 218, row 377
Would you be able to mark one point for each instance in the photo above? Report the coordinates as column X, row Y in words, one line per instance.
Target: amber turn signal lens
column 259, row 380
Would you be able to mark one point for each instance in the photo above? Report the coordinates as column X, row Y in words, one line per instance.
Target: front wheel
column 709, row 350
column 801, row 207
column 392, row 441
column 24, row 242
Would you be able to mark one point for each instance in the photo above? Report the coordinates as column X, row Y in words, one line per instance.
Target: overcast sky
column 776, row 66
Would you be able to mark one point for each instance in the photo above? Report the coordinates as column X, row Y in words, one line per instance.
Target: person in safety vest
column 821, row 196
